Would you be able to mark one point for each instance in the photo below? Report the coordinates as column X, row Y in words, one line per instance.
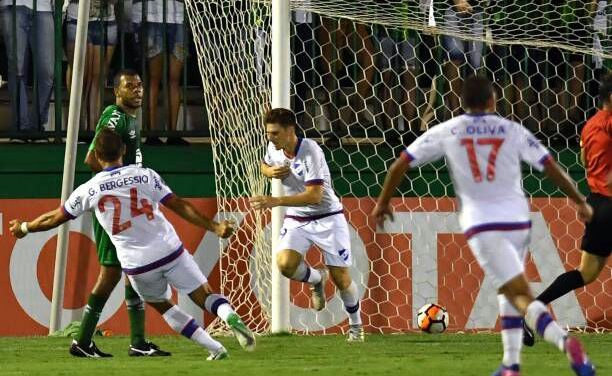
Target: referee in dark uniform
column 596, row 156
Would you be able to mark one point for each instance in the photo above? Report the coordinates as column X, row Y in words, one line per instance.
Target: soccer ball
column 432, row 318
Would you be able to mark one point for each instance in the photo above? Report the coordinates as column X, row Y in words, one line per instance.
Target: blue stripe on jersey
column 156, row 264
column 313, row 217
column 407, row 156
column 166, row 197
column 497, row 226
column 314, row 182
column 67, row 213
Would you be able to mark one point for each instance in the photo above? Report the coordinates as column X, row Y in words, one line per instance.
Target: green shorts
column 107, row 254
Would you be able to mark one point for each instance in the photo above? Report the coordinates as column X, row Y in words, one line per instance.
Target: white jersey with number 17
column 483, row 153
column 126, row 203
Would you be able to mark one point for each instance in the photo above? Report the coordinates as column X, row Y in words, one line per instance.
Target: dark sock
column 136, row 314
column 564, row 283
column 90, row 319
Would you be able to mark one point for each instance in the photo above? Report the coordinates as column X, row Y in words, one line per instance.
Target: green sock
column 136, row 313
column 90, row 319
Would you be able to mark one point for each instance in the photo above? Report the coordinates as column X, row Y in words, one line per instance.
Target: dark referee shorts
column 597, row 238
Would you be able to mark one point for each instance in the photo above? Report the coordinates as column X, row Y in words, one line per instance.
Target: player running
column 484, row 153
column 314, row 215
column 126, row 200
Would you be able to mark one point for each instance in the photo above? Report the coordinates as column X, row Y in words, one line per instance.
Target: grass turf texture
column 412, row 354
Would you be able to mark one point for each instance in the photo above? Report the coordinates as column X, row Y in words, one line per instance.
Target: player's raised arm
column 45, row 222
column 189, row 212
column 567, row 185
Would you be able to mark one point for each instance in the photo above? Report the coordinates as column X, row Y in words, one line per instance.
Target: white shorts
column 330, row 234
column 182, row 273
column 501, row 254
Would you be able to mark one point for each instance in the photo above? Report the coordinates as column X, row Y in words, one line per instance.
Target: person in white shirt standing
column 314, row 215
column 126, row 202
column 483, row 152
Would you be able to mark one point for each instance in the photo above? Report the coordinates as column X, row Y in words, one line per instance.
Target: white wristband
column 24, row 227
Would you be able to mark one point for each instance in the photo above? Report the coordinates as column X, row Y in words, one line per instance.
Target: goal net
column 368, row 77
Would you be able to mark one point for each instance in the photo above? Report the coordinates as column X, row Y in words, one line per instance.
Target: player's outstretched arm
column 45, row 222
column 274, row 172
column 392, row 181
column 311, row 196
column 189, row 212
column 567, row 185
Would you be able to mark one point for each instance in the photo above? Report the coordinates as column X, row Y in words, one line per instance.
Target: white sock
column 219, row 306
column 351, row 303
column 540, row 321
column 305, row 273
column 184, row 324
column 512, row 331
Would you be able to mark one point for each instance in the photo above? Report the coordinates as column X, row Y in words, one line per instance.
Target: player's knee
column 286, row 264
column 590, row 267
column 286, row 269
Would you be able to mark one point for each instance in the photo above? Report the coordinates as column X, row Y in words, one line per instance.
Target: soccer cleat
column 503, row 370
column 355, row 334
column 90, row 351
column 148, row 349
column 578, row 358
column 219, row 354
column 317, row 291
column 243, row 334
column 528, row 337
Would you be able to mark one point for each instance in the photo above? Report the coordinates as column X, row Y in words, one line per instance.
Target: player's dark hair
column 477, row 91
column 108, row 145
column 123, row 72
column 605, row 88
column 281, row 116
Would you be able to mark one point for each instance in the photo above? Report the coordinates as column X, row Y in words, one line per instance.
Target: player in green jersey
column 121, row 117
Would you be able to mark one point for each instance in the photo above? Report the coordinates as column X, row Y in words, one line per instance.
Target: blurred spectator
column 397, row 63
column 335, row 38
column 570, row 23
column 515, row 69
column 173, row 32
column 101, row 42
column 22, row 27
column 465, row 17
column 303, row 49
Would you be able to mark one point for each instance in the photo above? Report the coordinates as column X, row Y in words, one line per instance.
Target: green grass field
column 413, row 354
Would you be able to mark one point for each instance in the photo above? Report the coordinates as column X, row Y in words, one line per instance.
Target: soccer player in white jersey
column 314, row 215
column 126, row 200
column 484, row 152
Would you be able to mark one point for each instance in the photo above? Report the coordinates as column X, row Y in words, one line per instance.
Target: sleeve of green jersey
column 103, row 123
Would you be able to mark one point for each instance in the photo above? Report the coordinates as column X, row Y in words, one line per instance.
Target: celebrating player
column 314, row 215
column 126, row 200
column 596, row 156
column 484, row 154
